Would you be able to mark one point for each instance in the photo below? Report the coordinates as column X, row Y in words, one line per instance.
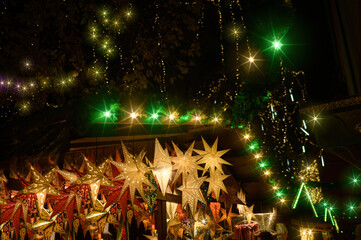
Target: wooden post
column 161, row 219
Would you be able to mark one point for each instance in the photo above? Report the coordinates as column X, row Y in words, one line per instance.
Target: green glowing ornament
column 277, row 45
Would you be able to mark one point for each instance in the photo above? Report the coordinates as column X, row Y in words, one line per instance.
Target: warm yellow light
column 171, row 116
column 267, row 173
column 282, row 200
column 128, row 13
column 197, row 118
column 133, row 115
column 251, row 59
column 31, row 84
column 275, row 187
column 257, row 156
column 216, row 119
column 309, row 232
column 235, row 31
column 246, row 136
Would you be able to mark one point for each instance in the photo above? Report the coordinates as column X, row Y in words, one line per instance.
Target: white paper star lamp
column 185, row 163
column 162, row 166
column 211, row 157
column 216, row 183
column 191, row 192
column 133, row 172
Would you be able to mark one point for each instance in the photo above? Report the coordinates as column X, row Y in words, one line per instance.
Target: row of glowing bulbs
column 172, row 116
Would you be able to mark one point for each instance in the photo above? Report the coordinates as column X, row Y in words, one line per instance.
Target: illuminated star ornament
column 191, row 192
column 216, row 183
column 40, row 186
column 185, row 163
column 133, row 172
column 162, row 166
column 211, row 157
column 95, row 177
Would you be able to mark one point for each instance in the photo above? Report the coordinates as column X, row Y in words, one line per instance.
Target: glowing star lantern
column 228, row 217
column 211, row 157
column 216, row 183
column 162, row 166
column 40, row 186
column 95, row 177
column 249, row 214
column 133, row 172
column 191, row 192
column 185, row 163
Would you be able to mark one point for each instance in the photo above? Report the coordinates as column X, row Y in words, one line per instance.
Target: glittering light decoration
column 311, row 174
column 304, row 188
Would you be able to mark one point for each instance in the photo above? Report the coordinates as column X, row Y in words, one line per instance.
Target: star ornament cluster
column 133, row 171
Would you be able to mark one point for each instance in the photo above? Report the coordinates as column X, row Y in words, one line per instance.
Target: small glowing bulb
column 154, row 115
column 302, row 178
column 171, row 117
column 277, row 44
column 251, row 59
column 197, row 118
column 235, row 31
column 308, row 168
column 267, row 173
column 275, row 187
column 282, row 200
column 355, row 180
column 216, row 119
column 204, row 222
column 129, row 13
column 2, row 82
column 351, row 207
column 315, row 118
column 31, row 84
column 257, row 156
column 304, row 233
column 133, row 115
column 309, row 232
column 246, row 136
column 105, row 13
column 107, row 114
